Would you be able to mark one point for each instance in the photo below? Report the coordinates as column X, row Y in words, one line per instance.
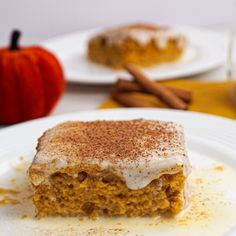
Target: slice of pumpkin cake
column 124, row 168
column 140, row 44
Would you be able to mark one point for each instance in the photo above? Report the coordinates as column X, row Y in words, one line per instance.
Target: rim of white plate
column 211, row 127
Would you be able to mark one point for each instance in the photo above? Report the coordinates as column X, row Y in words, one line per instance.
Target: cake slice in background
column 141, row 44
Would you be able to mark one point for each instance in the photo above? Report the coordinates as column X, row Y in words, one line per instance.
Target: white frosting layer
column 139, row 175
column 144, row 36
column 138, row 151
column 160, row 37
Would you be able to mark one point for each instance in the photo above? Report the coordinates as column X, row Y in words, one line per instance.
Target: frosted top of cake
column 137, row 151
column 143, row 34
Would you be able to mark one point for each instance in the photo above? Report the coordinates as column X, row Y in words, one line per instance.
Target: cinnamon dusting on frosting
column 135, row 149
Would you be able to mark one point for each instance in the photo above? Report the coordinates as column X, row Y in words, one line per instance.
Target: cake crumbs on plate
column 49, row 232
column 21, row 158
column 8, row 191
column 199, row 180
column 219, row 167
column 100, row 231
column 8, row 197
column 13, row 180
column 8, row 201
column 24, row 216
column 21, row 166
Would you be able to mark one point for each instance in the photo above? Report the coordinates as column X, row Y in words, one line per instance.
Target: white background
column 42, row 19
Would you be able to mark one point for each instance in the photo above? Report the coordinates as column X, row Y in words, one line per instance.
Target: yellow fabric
column 208, row 97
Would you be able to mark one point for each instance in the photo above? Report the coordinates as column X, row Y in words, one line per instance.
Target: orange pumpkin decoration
column 31, row 82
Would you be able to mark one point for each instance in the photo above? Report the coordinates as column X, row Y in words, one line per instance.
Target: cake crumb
column 21, row 167
column 24, row 216
column 13, row 180
column 100, row 231
column 219, row 168
column 8, row 191
column 30, row 196
column 8, row 201
column 199, row 180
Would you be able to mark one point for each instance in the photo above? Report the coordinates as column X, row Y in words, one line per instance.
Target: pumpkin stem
column 14, row 40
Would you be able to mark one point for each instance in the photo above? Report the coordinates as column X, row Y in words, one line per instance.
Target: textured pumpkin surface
column 31, row 82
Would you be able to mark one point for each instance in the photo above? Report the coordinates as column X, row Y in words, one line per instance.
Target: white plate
column 210, row 139
column 206, row 50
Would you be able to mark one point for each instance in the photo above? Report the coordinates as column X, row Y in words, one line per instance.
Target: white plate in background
column 206, row 50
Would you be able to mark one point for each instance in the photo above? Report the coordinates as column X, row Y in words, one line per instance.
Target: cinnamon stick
column 130, row 100
column 156, row 89
column 124, row 85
